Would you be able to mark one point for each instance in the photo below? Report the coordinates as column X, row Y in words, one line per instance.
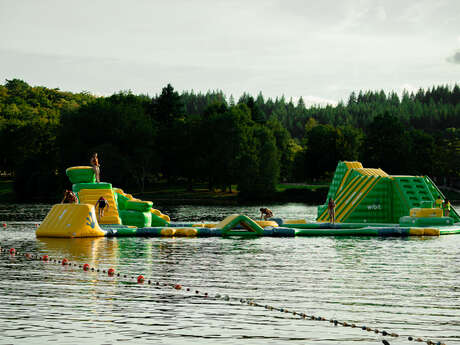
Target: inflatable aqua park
column 368, row 202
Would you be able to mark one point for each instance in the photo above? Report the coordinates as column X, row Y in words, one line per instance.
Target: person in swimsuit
column 265, row 213
column 331, row 210
column 439, row 201
column 96, row 167
column 101, row 204
column 447, row 209
column 69, row 198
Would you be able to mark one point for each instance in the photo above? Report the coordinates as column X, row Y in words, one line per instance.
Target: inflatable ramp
column 70, row 220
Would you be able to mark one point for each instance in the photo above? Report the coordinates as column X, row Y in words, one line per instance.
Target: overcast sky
column 321, row 50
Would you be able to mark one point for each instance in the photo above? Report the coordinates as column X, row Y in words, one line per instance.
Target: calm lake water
column 407, row 286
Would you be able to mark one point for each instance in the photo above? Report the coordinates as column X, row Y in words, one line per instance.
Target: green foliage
column 259, row 166
column 119, row 129
column 387, row 144
column 29, row 119
column 168, row 107
column 202, row 138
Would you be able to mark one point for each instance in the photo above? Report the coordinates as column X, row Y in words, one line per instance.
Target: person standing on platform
column 331, row 210
column 96, row 167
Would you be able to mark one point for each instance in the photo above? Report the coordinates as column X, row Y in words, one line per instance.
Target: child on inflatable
column 69, row 198
column 331, row 210
column 101, row 204
column 96, row 167
column 265, row 213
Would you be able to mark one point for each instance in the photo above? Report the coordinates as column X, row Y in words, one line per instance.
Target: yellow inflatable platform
column 70, row 220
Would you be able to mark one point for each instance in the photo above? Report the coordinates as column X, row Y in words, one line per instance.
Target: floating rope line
column 141, row 280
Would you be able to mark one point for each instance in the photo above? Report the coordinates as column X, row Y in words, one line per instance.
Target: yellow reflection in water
column 92, row 249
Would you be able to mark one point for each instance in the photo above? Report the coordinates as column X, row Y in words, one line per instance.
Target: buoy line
column 141, row 280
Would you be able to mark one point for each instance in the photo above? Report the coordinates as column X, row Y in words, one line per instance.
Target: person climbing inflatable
column 69, row 197
column 265, row 213
column 101, row 204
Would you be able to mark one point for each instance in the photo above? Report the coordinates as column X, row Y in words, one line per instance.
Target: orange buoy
column 12, row 251
column 65, row 261
column 45, row 258
column 85, row 267
column 140, row 279
column 177, row 287
column 111, row 272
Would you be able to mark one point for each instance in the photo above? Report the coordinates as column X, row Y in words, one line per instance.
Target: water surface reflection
column 408, row 286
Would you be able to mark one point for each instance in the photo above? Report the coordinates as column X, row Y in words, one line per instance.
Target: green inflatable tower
column 365, row 195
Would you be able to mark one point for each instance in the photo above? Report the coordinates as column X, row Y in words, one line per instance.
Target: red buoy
column 45, row 258
column 140, row 279
column 12, row 251
column 4, row 225
column 28, row 256
column 64, row 262
column 85, row 267
column 111, row 272
column 177, row 287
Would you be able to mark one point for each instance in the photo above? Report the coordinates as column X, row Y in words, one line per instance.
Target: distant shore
column 309, row 194
column 312, row 194
column 199, row 195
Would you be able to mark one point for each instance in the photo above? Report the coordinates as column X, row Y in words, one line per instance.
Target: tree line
column 198, row 138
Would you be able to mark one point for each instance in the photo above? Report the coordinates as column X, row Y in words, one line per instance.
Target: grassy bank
column 179, row 194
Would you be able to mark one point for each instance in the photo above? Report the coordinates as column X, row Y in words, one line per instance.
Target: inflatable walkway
column 369, row 202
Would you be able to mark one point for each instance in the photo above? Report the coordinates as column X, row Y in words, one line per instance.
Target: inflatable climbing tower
column 364, row 195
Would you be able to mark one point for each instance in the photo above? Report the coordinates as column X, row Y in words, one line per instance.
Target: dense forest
column 253, row 142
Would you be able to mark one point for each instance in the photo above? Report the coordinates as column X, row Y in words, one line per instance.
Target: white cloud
column 381, row 13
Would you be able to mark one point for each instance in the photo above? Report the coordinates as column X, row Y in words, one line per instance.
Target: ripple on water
column 407, row 286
